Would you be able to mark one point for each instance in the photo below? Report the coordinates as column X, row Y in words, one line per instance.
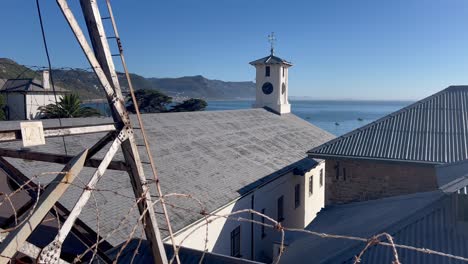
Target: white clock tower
column 272, row 82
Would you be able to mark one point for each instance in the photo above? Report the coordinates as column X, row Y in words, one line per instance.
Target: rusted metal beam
column 52, row 251
column 16, row 238
column 57, row 158
column 101, row 144
column 120, row 115
column 80, row 230
column 28, row 249
column 15, row 135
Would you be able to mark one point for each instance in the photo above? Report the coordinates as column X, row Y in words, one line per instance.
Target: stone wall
column 360, row 180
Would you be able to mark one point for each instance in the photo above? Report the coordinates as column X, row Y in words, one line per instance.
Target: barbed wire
column 171, row 200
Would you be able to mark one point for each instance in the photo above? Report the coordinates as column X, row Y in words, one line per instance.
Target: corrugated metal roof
column 27, row 85
column 186, row 255
column 271, row 59
column 424, row 220
column 439, row 230
column 362, row 219
column 433, row 130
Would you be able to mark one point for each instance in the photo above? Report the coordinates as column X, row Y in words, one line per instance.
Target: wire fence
column 134, row 229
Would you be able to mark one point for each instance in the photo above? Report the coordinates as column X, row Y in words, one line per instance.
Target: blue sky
column 341, row 49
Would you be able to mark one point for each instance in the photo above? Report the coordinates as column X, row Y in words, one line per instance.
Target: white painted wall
column 276, row 100
column 36, row 100
column 265, row 197
column 16, row 107
column 316, row 201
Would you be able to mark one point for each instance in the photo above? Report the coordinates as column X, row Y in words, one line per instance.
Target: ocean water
column 336, row 117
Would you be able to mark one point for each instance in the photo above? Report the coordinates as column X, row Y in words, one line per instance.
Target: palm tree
column 69, row 106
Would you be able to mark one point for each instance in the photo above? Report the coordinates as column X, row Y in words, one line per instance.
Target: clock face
column 267, row 88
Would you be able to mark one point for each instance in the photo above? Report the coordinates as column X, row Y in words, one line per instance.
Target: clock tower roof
column 272, row 59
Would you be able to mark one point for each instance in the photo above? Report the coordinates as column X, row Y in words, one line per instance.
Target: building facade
column 399, row 153
column 293, row 198
column 24, row 97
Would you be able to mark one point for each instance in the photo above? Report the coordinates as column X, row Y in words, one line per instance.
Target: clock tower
column 272, row 82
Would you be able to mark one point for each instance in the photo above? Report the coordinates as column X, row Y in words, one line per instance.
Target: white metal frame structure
column 120, row 133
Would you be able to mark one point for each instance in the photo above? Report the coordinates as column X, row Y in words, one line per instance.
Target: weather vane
column 272, row 40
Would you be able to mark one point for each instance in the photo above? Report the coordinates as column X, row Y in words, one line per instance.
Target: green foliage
column 149, row 101
column 190, row 105
column 69, row 106
column 2, row 108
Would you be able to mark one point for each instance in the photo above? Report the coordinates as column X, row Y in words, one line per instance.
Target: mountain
column 87, row 86
column 201, row 87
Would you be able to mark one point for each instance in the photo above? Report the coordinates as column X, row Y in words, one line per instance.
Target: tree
column 69, row 106
column 190, row 105
column 2, row 108
column 149, row 101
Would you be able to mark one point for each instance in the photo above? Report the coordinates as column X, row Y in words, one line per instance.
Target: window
column 321, row 177
column 311, row 185
column 235, row 242
column 344, row 174
column 283, row 71
column 280, row 206
column 462, row 207
column 337, row 170
column 297, row 195
column 267, row 71
column 263, row 224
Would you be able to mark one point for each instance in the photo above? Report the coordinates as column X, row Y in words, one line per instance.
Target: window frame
column 321, row 178
column 235, row 242
column 311, row 185
column 280, row 209
column 267, row 71
column 297, row 196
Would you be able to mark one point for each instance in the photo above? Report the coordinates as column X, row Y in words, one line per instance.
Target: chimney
column 46, row 80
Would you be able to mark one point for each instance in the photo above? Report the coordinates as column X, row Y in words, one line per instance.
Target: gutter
column 340, row 157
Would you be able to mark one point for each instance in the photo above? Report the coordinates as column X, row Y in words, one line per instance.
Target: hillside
column 87, row 86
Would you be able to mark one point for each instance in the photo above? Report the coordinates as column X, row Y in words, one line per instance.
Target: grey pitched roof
column 217, row 156
column 425, row 220
column 432, row 130
column 27, row 85
column 272, row 59
column 186, row 255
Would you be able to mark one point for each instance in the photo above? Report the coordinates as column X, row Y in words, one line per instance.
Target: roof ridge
column 388, row 199
column 384, row 118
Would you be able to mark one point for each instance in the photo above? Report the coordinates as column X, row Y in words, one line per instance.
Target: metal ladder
column 118, row 42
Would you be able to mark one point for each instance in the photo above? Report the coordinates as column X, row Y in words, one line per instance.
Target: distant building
column 400, row 153
column 230, row 160
column 24, row 96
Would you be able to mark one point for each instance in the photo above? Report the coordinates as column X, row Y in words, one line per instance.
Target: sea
column 335, row 116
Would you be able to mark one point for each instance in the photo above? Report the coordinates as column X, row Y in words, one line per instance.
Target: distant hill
column 201, row 87
column 87, row 86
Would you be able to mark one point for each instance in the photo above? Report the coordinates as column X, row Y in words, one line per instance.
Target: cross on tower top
column 272, row 40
